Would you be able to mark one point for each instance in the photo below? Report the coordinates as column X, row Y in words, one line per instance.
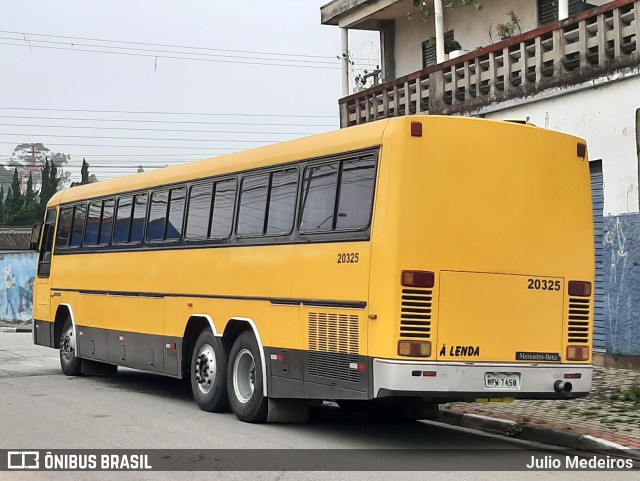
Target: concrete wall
column 470, row 26
column 607, row 117
column 18, row 270
column 622, row 284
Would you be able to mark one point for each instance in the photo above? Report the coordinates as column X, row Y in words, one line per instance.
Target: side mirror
column 34, row 241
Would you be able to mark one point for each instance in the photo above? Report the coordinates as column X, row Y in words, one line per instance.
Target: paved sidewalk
column 15, row 326
column 611, row 413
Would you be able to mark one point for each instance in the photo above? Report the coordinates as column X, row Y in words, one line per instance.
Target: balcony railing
column 572, row 51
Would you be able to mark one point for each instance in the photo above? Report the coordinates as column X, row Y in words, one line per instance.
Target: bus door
column 42, row 298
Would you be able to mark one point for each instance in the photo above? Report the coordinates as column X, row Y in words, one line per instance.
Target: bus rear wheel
column 209, row 373
column 71, row 364
column 244, row 380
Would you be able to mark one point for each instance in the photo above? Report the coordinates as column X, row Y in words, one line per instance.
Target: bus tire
column 209, row 373
column 244, row 380
column 71, row 364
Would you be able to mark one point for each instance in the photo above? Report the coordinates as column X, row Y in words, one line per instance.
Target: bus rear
column 482, row 271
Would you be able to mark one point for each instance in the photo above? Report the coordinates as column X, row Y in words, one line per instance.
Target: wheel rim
column 68, row 344
column 244, row 376
column 205, row 369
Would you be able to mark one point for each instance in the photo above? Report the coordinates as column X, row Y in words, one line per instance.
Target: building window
column 548, row 9
column 429, row 48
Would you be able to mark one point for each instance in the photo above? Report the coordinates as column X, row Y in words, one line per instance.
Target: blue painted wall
column 621, row 266
column 17, row 274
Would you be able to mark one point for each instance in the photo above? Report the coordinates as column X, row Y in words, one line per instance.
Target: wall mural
column 18, row 271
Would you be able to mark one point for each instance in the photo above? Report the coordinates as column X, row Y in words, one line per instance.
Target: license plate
column 502, row 380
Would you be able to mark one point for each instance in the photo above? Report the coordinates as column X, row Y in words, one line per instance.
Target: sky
column 260, row 72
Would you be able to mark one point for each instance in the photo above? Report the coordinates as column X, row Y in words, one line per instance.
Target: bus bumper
column 451, row 381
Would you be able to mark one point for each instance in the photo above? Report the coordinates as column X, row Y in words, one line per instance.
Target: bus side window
column 106, row 223
column 139, row 217
column 123, row 219
column 319, row 188
column 92, row 230
column 157, row 215
column 198, row 211
column 44, row 264
column 355, row 194
column 223, row 207
column 253, row 205
column 176, row 214
column 77, row 231
column 64, row 226
column 282, row 201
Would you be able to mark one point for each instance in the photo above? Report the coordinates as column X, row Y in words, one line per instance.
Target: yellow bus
column 407, row 262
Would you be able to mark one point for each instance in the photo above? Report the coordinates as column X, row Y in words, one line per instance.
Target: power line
column 142, row 157
column 182, row 147
column 162, row 45
column 199, row 122
column 72, row 46
column 140, row 138
column 153, row 130
column 97, row 166
column 171, row 57
column 166, row 113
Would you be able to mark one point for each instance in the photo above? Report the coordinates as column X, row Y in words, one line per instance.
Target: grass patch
column 514, row 431
column 631, row 395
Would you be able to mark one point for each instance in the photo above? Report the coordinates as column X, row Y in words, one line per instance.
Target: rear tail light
column 418, row 279
column 580, row 288
column 573, row 375
column 577, row 353
column 414, row 348
column 581, row 150
column 416, row 129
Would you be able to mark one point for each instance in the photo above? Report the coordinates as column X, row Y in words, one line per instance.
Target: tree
column 16, row 210
column 2, row 209
column 50, row 182
column 16, row 192
column 29, row 194
column 84, row 172
column 86, row 177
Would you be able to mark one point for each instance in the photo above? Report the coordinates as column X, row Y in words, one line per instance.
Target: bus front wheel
column 244, row 380
column 209, row 373
column 70, row 363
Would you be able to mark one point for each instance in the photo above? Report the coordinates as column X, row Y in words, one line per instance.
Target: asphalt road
column 43, row 409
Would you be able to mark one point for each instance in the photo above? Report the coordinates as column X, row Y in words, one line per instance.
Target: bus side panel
column 332, row 281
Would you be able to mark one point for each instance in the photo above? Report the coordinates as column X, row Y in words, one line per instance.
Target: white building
column 516, row 60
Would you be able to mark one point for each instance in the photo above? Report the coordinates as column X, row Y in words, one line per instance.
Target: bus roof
column 345, row 140
column 354, row 138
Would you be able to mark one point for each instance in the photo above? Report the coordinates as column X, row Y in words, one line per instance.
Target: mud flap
column 288, row 411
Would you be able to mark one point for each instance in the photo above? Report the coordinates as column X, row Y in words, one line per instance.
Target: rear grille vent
column 415, row 315
column 579, row 320
column 334, row 346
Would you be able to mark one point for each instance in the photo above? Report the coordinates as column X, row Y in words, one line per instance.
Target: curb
column 528, row 432
column 15, row 329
